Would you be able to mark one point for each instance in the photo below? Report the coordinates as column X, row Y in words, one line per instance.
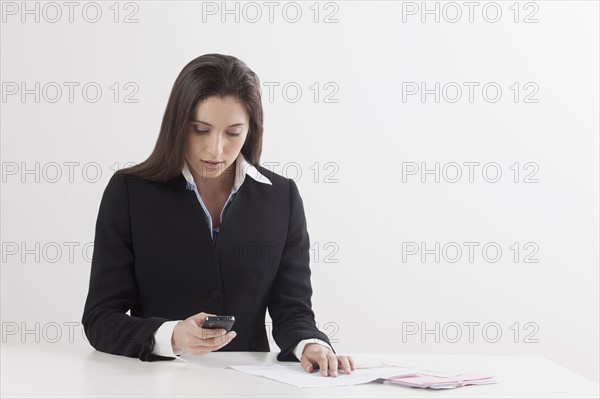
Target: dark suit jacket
column 153, row 255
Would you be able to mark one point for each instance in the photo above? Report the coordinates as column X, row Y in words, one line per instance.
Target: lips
column 212, row 166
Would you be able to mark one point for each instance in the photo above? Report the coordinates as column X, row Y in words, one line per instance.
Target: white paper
column 432, row 369
column 294, row 374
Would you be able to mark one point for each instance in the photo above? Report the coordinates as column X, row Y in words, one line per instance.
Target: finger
column 213, row 343
column 352, row 363
column 306, row 364
column 199, row 318
column 222, row 340
column 205, row 333
column 202, row 346
column 212, row 332
column 226, row 341
column 344, row 363
column 322, row 361
column 201, row 351
column 332, row 363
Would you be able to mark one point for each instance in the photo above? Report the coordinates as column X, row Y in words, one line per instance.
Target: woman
column 200, row 228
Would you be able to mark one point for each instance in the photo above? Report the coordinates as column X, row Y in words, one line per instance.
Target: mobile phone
column 212, row 322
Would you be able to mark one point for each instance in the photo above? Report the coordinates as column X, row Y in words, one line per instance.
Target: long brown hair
column 205, row 76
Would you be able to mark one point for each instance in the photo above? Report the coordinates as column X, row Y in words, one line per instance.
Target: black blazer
column 153, row 255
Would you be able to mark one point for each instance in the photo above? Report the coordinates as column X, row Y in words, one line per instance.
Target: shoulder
column 278, row 182
column 126, row 188
column 120, row 182
column 285, row 187
column 130, row 181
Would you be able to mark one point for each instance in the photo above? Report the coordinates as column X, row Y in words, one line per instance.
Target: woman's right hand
column 190, row 337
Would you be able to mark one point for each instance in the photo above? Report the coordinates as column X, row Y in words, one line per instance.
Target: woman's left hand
column 319, row 356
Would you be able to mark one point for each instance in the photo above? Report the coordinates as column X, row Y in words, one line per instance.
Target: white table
column 77, row 370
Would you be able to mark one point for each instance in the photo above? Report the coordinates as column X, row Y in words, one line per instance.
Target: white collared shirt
column 243, row 168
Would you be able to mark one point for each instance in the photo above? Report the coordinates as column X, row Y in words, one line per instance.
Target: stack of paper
column 426, row 376
column 440, row 381
column 293, row 374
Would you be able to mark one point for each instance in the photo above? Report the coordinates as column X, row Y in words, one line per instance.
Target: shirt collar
column 242, row 168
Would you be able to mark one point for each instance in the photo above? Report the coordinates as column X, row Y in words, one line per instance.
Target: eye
column 232, row 134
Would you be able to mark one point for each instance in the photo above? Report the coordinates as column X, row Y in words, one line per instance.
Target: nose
column 215, row 145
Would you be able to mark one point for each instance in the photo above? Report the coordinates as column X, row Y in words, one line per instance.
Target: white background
column 365, row 295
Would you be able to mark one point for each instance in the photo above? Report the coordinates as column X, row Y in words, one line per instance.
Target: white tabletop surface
column 80, row 371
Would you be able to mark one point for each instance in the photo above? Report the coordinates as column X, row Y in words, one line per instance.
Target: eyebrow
column 206, row 123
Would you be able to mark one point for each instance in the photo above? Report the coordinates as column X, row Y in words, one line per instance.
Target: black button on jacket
column 153, row 255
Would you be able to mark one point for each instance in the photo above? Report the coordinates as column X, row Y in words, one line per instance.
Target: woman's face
column 217, row 133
